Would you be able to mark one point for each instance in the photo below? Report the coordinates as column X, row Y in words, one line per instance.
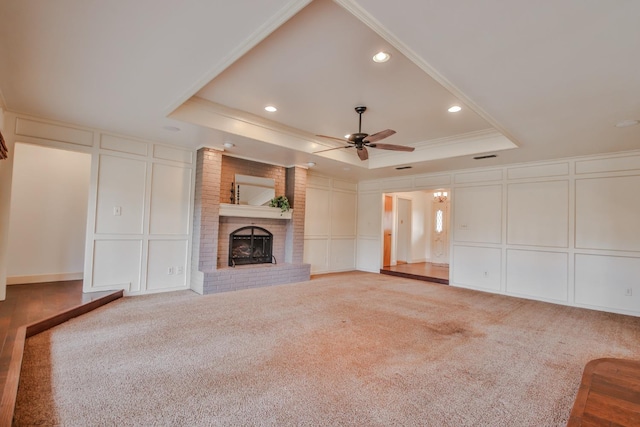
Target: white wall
column 565, row 231
column 330, row 224
column 140, row 205
column 48, row 215
column 6, row 169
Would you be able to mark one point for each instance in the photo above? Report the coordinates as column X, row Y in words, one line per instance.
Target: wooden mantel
column 247, row 211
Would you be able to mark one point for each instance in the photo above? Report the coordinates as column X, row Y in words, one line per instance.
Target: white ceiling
column 554, row 77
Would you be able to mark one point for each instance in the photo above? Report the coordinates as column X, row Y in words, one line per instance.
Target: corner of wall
column 6, row 173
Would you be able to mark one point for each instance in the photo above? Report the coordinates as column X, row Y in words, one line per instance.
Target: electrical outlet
column 628, row 292
column 180, row 269
column 170, row 270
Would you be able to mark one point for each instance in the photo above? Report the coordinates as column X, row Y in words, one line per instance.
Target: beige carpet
column 348, row 349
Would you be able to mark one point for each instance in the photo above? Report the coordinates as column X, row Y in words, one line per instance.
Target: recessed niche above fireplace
column 253, row 190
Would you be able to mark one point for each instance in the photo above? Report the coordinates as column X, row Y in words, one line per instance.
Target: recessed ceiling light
column 171, row 128
column 627, row 123
column 271, row 108
column 454, row 109
column 311, row 164
column 381, row 57
column 229, row 144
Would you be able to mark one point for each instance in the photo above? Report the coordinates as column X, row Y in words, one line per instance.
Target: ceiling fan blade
column 334, row 148
column 379, row 135
column 333, row 137
column 363, row 153
column 392, row 147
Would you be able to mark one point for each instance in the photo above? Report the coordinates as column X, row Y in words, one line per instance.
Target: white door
column 403, row 242
column 440, row 232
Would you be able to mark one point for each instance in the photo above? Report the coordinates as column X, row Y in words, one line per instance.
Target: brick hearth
column 209, row 270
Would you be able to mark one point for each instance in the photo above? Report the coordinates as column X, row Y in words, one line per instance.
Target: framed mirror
column 253, row 190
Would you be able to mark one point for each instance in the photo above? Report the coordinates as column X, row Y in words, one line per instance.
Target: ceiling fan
column 361, row 140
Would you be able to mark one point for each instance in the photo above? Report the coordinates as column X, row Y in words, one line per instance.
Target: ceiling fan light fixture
column 381, row 57
column 454, row 109
column 270, row 108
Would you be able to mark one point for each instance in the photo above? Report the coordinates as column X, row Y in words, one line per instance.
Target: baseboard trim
column 10, row 391
column 44, row 278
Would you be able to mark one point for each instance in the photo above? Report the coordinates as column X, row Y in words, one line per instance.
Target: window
column 439, row 221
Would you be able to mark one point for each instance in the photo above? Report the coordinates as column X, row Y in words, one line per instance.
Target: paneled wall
column 139, row 210
column 565, row 231
column 141, row 235
column 330, row 224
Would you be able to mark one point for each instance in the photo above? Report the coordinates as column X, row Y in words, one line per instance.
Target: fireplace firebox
column 250, row 245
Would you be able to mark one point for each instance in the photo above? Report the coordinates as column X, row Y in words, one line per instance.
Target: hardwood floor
column 609, row 394
column 40, row 306
column 425, row 271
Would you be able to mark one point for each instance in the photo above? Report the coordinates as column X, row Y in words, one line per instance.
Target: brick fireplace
column 210, row 270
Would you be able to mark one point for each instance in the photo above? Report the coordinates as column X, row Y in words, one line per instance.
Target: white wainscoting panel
column 315, row 253
column 318, row 181
column 121, row 184
column 368, row 257
column 163, row 255
column 317, row 212
column 343, row 253
column 369, row 186
column 538, row 274
column 54, row 132
column 478, row 214
column 345, row 185
column 429, row 182
column 170, row 196
column 116, row 264
column 603, row 281
column 477, row 267
column 541, row 171
column 481, row 176
column 613, row 164
column 369, row 214
column 343, row 214
column 330, row 224
column 608, row 213
column 123, row 145
column 175, row 154
column 398, row 184
column 538, row 214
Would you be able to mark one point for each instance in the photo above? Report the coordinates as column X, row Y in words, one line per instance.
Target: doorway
column 415, row 236
column 48, row 214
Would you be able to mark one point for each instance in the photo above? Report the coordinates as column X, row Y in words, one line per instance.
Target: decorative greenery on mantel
column 280, row 202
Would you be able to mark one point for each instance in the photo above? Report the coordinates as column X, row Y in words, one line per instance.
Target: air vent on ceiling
column 488, row 156
column 399, row 168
